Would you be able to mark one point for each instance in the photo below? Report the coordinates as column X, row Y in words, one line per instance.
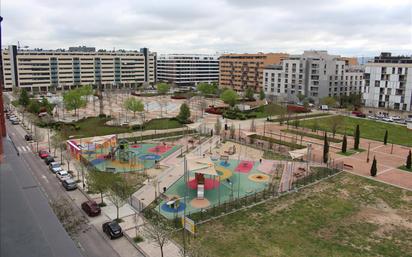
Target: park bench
column 348, row 166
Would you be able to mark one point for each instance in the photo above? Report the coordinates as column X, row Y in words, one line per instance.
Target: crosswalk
column 24, row 149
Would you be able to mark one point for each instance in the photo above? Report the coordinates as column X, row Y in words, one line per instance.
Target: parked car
column 359, row 114
column 49, row 159
column 112, row 229
column 91, row 208
column 62, row 175
column 69, row 184
column 387, row 119
column 15, row 122
column 55, row 167
column 43, row 154
column 28, row 137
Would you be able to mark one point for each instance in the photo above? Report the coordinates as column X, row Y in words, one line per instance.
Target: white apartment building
column 42, row 70
column 315, row 74
column 188, row 69
column 388, row 82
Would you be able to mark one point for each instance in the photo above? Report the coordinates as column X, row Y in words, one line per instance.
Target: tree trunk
column 161, row 251
column 117, row 211
column 101, row 197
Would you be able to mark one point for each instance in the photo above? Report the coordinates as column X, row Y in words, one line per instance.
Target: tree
column 385, row 138
column 206, row 88
column 46, row 105
column 34, row 107
column 163, row 88
column 344, row 144
column 119, row 192
column 329, row 101
column 24, row 99
column 272, row 109
column 262, row 95
column 374, row 168
column 71, row 221
column 300, row 96
column 218, row 126
column 134, row 105
column 99, row 182
column 229, row 97
column 203, row 106
column 335, row 122
column 325, row 149
column 356, row 138
column 409, row 161
column 73, row 100
column 232, row 131
column 184, row 114
column 159, row 234
column 56, row 140
column 249, row 94
column 252, row 126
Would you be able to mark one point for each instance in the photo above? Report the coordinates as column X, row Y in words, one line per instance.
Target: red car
column 91, row 208
column 43, row 154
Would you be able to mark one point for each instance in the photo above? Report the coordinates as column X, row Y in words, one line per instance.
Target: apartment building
column 42, row 70
column 314, row 74
column 188, row 69
column 388, row 82
column 241, row 71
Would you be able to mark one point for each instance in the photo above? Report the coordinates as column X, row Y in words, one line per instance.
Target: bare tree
column 335, row 122
column 158, row 234
column 72, row 222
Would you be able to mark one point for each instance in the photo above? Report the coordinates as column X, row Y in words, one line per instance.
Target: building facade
column 188, row 69
column 314, row 74
column 388, row 82
column 242, row 71
column 43, row 70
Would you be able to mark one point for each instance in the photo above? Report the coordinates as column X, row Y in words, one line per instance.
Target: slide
column 200, row 191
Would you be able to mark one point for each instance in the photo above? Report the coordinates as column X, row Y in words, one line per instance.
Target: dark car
column 43, row 154
column 112, row 229
column 91, row 208
column 69, row 184
column 49, row 159
column 28, row 137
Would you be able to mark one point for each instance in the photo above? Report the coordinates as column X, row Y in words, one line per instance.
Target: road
column 91, row 242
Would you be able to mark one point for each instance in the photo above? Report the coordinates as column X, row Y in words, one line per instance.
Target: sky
column 346, row 27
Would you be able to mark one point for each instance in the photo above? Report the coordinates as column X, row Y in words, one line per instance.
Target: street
column 92, row 243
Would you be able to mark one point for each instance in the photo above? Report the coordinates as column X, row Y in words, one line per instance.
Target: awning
column 298, row 153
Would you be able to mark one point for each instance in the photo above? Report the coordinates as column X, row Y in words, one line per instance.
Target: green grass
column 270, row 155
column 369, row 129
column 277, row 141
column 92, row 127
column 163, row 123
column 403, row 167
column 345, row 215
column 294, row 117
column 348, row 152
column 306, row 134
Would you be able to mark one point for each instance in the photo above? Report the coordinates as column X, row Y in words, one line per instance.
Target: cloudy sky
column 347, row 27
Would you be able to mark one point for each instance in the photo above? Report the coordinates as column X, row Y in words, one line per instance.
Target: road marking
column 45, row 178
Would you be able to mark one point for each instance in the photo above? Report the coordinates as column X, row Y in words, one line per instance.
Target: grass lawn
column 370, row 129
column 312, row 135
column 270, row 155
column 164, row 123
column 92, row 127
column 345, row 215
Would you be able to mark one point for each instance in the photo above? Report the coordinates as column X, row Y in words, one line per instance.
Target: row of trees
column 114, row 185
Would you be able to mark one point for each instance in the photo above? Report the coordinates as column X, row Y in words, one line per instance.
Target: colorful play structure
column 107, row 153
column 209, row 181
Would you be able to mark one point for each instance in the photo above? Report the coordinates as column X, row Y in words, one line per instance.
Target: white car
column 63, row 175
column 388, row 119
column 55, row 167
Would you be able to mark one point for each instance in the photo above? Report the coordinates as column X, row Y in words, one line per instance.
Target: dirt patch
column 386, row 217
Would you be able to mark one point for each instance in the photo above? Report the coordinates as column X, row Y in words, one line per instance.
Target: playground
column 107, row 153
column 214, row 180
